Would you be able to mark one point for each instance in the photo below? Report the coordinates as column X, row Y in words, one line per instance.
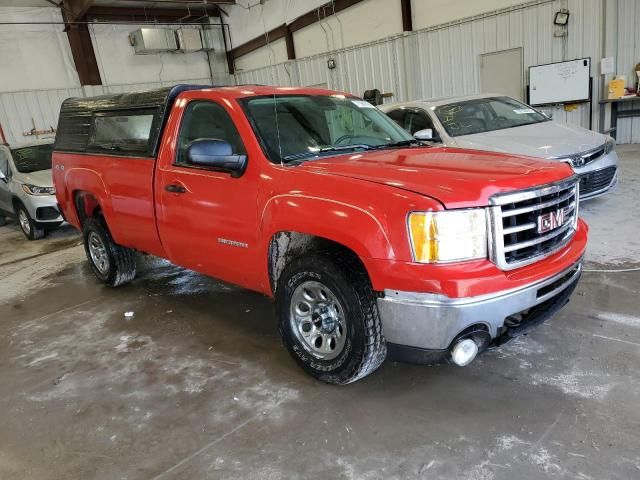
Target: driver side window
column 206, row 120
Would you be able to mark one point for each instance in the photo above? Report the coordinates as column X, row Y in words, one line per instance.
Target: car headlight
column 448, row 236
column 609, row 146
column 35, row 190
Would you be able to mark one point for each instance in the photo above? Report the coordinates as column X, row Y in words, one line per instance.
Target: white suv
column 26, row 189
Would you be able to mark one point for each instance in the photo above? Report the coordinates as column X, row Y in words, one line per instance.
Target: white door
column 503, row 72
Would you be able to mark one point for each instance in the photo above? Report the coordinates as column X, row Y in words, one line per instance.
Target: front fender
column 349, row 225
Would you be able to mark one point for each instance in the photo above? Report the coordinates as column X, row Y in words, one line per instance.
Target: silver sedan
column 501, row 124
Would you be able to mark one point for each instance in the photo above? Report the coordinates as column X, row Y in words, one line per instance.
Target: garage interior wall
column 38, row 71
column 443, row 60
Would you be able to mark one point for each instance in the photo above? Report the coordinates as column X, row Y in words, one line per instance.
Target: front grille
column 588, row 157
column 579, row 160
column 594, row 181
column 529, row 225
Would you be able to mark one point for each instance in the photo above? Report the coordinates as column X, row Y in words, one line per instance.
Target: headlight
column 609, row 146
column 449, row 236
column 35, row 190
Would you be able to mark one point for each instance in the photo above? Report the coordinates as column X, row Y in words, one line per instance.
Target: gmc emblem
column 550, row 221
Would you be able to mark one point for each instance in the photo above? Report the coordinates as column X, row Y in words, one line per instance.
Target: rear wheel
column 113, row 264
column 329, row 318
column 27, row 225
column 3, row 220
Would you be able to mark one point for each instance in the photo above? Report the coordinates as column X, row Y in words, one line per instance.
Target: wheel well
column 86, row 206
column 286, row 246
column 15, row 201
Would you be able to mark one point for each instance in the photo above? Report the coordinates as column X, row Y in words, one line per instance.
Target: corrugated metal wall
column 283, row 74
column 445, row 59
column 628, row 55
column 19, row 111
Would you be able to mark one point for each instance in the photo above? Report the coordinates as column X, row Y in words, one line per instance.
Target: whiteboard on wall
column 561, row 82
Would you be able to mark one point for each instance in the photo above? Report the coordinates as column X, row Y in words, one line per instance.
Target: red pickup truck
column 367, row 240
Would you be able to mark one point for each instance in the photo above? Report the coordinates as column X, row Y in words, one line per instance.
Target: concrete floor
column 197, row 385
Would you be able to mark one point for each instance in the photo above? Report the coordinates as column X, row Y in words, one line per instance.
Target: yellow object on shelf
column 616, row 88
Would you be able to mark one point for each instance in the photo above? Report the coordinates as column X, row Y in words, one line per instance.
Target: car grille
column 529, row 225
column 593, row 182
column 588, row 157
column 579, row 160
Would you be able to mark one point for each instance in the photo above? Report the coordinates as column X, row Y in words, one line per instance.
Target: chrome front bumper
column 432, row 322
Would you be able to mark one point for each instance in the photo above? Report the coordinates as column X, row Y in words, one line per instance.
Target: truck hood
column 455, row 177
column 545, row 140
column 42, row 178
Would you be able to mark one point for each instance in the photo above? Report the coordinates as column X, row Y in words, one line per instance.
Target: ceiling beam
column 259, row 42
column 321, row 13
column 82, row 51
column 76, row 8
column 407, row 21
column 288, row 39
column 286, row 30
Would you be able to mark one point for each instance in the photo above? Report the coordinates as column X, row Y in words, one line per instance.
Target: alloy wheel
column 318, row 320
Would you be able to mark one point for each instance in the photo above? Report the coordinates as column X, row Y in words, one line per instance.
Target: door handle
column 175, row 188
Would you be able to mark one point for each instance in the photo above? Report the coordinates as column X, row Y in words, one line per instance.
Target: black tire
column 3, row 220
column 120, row 267
column 364, row 348
column 27, row 225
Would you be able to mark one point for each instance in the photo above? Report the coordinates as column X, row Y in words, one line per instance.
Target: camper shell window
column 122, row 132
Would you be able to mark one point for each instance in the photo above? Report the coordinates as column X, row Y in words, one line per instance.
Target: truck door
column 207, row 220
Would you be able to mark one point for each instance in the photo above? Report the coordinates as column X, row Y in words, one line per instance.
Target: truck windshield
column 300, row 127
column 32, row 159
column 485, row 115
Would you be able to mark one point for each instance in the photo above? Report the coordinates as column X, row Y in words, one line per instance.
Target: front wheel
column 329, row 318
column 27, row 225
column 113, row 264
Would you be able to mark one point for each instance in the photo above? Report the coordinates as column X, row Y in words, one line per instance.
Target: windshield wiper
column 328, row 149
column 340, row 148
column 355, row 146
column 401, row 143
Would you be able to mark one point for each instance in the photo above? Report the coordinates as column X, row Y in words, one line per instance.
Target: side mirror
column 216, row 154
column 426, row 134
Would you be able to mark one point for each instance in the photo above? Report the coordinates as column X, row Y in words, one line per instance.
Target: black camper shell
column 124, row 124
